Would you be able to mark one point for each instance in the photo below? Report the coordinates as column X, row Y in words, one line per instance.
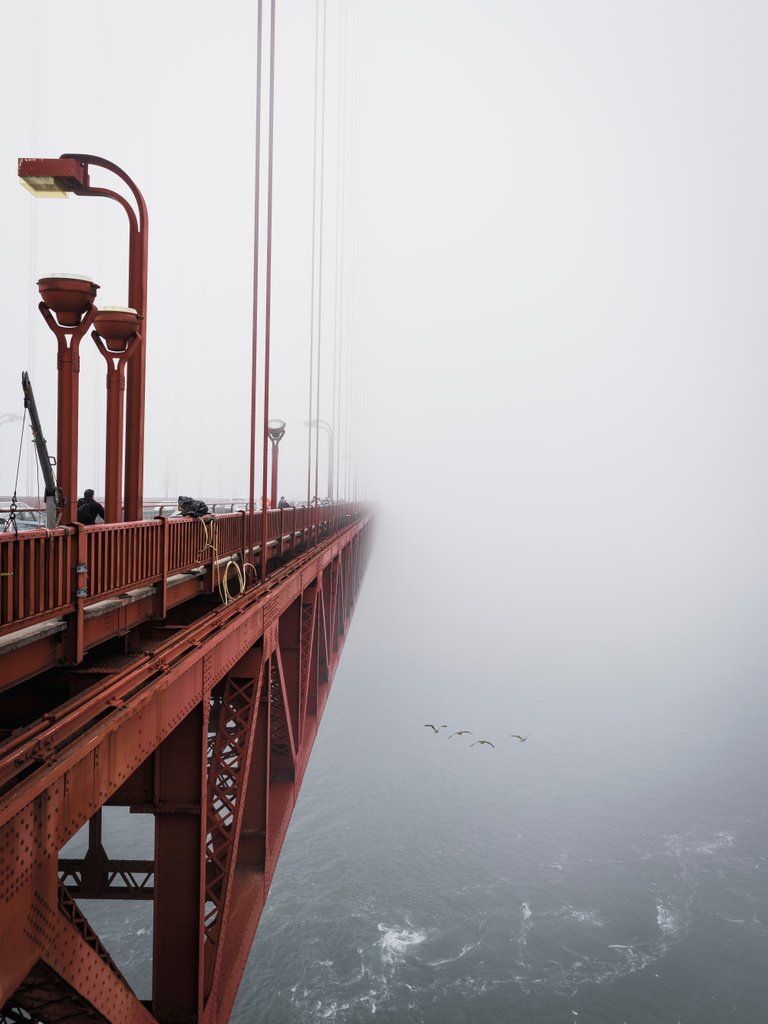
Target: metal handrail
column 45, row 574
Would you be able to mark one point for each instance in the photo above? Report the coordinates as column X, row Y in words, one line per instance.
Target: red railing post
column 74, row 641
column 161, row 587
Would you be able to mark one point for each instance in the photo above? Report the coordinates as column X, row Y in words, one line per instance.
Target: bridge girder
column 211, row 734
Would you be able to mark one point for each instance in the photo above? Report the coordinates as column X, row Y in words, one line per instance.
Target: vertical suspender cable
column 268, row 291
column 312, row 275
column 342, row 216
column 255, row 314
column 320, row 274
column 355, row 346
column 336, row 389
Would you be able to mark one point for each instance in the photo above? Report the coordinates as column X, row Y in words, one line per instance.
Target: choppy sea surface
column 520, row 883
column 612, row 869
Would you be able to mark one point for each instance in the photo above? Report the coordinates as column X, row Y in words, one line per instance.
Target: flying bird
column 462, row 732
column 437, row 728
column 486, row 742
column 516, row 736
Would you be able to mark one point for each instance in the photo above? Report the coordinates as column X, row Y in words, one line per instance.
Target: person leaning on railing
column 88, row 509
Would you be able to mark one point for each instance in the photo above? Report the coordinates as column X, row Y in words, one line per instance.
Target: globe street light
column 327, row 427
column 276, row 431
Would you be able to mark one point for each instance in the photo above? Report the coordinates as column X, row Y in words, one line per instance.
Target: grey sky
column 557, row 225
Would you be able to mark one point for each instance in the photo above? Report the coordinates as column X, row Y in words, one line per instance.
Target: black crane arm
column 54, row 499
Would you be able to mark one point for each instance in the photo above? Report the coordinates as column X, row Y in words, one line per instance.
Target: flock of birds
column 467, row 732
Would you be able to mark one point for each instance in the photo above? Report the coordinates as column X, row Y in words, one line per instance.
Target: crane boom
column 54, row 499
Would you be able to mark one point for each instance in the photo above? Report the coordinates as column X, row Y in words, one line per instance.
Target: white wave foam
column 452, row 959
column 667, row 921
column 583, row 916
column 682, row 845
column 721, row 841
column 633, row 959
column 395, row 942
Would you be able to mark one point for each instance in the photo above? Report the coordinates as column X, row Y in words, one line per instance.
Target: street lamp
column 49, row 178
column 329, row 429
column 67, row 307
column 276, row 431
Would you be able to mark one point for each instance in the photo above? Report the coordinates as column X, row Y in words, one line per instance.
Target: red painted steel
column 68, row 340
column 72, row 172
column 116, row 361
column 37, row 568
column 138, row 241
column 208, row 730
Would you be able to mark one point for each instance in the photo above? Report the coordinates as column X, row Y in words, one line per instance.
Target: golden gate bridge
column 177, row 666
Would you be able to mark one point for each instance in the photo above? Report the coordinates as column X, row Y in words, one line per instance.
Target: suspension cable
column 313, row 255
column 255, row 313
column 320, row 271
column 344, row 44
column 336, row 379
column 268, row 290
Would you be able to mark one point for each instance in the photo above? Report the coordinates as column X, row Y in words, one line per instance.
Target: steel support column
column 177, row 953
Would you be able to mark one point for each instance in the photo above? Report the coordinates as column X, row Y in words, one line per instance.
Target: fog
column 543, row 262
column 545, row 266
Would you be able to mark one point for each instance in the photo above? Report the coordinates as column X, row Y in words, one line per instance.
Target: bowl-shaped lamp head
column 68, row 296
column 116, row 325
column 276, row 429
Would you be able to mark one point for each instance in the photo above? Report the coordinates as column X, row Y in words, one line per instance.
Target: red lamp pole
column 274, row 475
column 276, row 431
column 67, row 307
column 117, row 338
column 70, row 173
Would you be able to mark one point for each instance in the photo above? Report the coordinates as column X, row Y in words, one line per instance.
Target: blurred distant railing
column 45, row 574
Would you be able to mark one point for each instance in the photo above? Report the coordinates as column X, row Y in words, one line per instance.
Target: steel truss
column 210, row 733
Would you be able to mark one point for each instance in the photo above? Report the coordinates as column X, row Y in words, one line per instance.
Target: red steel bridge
column 127, row 681
column 176, row 666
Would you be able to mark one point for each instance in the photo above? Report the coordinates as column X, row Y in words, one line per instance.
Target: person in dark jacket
column 88, row 509
column 284, row 504
column 192, row 507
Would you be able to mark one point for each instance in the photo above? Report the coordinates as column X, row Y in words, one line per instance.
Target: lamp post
column 67, row 307
column 56, row 178
column 327, row 427
column 276, row 431
column 116, row 335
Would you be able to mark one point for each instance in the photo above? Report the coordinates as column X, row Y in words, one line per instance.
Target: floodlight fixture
column 52, row 179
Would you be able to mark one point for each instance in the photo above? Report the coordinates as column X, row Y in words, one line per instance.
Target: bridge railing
column 36, row 572
column 122, row 555
column 42, row 571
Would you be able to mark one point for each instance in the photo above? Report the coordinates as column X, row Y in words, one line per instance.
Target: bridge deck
column 82, row 585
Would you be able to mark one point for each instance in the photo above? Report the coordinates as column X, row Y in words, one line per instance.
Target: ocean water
column 613, row 868
column 485, row 885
